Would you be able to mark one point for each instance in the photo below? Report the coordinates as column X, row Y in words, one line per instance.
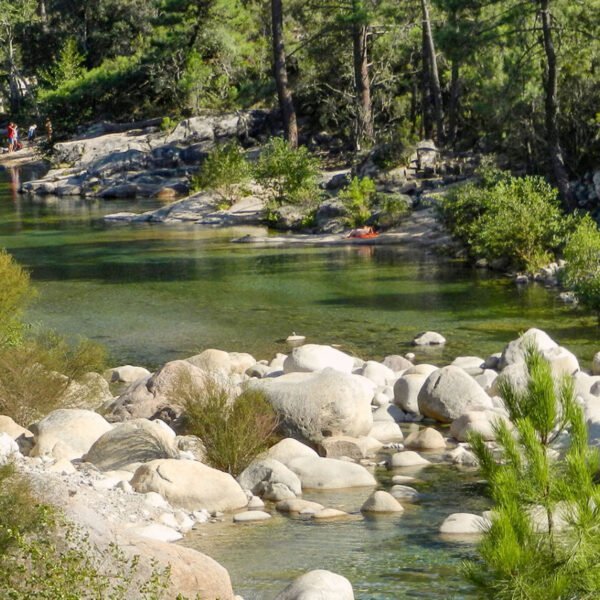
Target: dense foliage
column 503, row 217
column 15, row 291
column 224, row 171
column 289, row 174
column 494, row 75
column 542, row 544
column 582, row 271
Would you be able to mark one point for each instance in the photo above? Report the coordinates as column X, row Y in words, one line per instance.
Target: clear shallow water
column 386, row 557
column 153, row 293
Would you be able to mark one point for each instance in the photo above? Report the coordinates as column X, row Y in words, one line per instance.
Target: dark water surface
column 156, row 292
column 153, row 292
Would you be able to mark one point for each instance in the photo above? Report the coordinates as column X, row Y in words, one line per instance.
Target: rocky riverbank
column 123, row 471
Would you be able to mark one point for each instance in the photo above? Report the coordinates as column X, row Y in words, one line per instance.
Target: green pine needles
column 544, row 540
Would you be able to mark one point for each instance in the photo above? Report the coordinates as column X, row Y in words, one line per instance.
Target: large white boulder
column 128, row 374
column 265, row 471
column 288, row 449
column 377, row 373
column 221, row 362
column 340, row 446
column 406, row 391
column 318, row 405
column 191, row 573
column 146, row 397
column 318, row 585
column 314, row 357
column 135, row 441
column 396, row 362
column 425, row 439
column 381, row 502
column 449, row 393
column 460, row 524
column 386, row 432
column 408, row 458
column 190, row 485
column 429, row 338
column 8, row 426
column 330, row 473
column 473, row 365
column 68, row 433
column 514, row 352
column 478, row 421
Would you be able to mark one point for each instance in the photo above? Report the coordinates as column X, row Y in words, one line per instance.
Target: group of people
column 15, row 144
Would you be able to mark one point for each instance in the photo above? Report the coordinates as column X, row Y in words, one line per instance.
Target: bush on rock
column 234, row 429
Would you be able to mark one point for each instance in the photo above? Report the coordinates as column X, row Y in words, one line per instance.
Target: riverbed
column 154, row 293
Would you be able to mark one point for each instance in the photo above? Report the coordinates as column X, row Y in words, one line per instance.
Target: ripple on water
column 388, row 557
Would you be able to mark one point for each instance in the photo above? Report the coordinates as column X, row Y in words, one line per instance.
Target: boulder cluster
column 123, row 468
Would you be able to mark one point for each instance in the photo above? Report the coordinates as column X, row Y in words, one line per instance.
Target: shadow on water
column 153, row 293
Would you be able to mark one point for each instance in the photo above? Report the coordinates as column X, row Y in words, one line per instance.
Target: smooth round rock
column 318, row 585
column 251, row 516
column 425, row 439
column 408, row 458
column 381, row 502
column 464, row 524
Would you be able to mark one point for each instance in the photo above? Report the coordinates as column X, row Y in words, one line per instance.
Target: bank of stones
column 124, row 471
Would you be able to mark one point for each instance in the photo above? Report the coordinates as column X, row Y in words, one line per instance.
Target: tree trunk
column 284, row 93
column 13, row 77
column 551, row 105
column 362, row 84
column 427, row 123
column 42, row 13
column 434, row 79
column 454, row 101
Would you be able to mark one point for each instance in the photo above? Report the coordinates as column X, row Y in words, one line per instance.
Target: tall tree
column 364, row 110
column 430, row 67
column 551, row 108
column 284, row 93
column 14, row 14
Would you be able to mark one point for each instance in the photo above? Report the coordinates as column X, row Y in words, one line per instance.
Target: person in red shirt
column 12, row 136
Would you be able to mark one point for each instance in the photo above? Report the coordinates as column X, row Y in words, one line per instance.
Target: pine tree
column 543, row 543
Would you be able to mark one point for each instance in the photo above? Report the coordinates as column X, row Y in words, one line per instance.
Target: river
column 152, row 293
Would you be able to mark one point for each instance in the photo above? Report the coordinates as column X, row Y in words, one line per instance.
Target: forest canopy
column 520, row 78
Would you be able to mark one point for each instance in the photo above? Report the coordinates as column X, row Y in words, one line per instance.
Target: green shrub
column 42, row 556
column 358, row 198
column 15, row 292
column 507, row 217
column 391, row 209
column 35, row 375
column 289, row 174
column 582, row 271
column 168, row 124
column 234, row 430
column 526, row 555
column 225, row 171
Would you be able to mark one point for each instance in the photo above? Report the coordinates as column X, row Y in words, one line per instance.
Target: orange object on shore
column 364, row 236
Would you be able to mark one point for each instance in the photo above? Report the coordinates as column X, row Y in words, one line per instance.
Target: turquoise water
column 153, row 293
column 387, row 557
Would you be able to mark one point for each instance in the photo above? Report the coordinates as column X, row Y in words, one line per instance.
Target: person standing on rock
column 12, row 136
column 31, row 133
